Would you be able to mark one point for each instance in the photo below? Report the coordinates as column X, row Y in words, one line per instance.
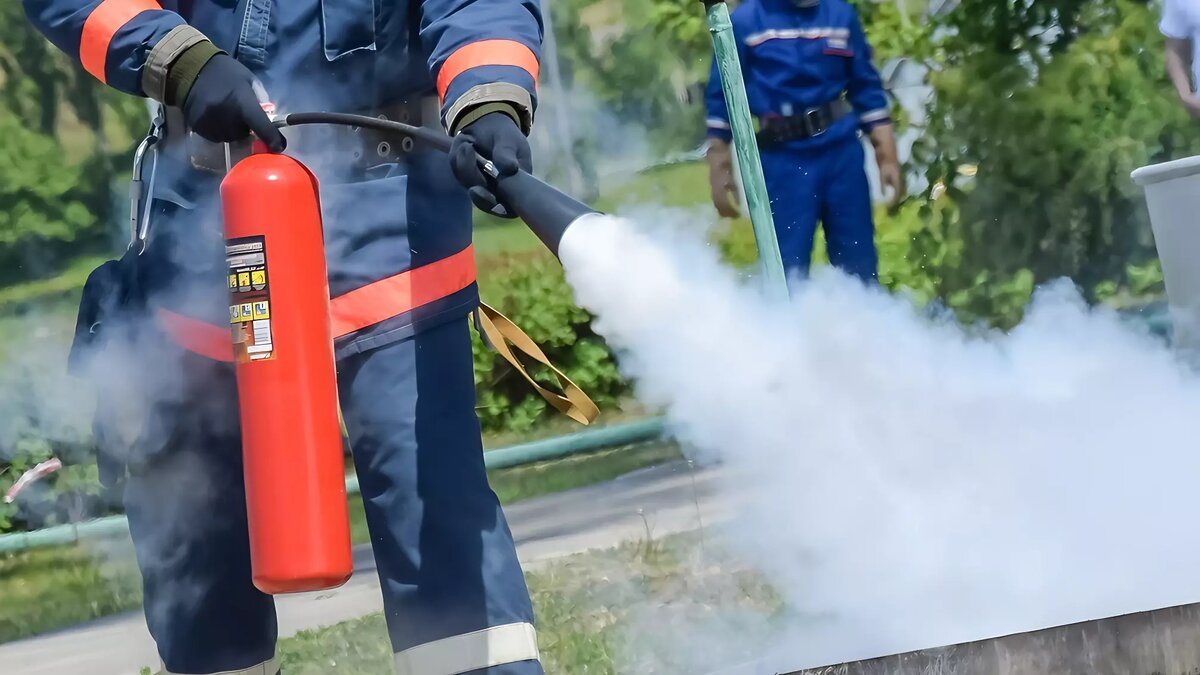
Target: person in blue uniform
column 813, row 88
column 395, row 218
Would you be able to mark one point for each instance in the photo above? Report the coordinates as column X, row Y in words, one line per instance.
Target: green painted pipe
column 573, row 444
column 744, row 142
column 500, row 458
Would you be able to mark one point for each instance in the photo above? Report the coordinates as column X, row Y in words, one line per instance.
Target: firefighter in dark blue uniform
column 812, row 86
column 453, row 590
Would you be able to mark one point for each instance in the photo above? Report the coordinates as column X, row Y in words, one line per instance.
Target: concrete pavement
column 666, row 499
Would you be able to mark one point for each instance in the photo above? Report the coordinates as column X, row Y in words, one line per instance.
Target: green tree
column 67, row 138
column 1055, row 107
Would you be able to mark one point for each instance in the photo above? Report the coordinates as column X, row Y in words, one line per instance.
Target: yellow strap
column 503, row 334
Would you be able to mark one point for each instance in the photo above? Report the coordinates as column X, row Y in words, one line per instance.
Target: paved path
column 670, row 499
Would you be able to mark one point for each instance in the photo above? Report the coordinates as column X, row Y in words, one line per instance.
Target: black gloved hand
column 497, row 137
column 222, row 107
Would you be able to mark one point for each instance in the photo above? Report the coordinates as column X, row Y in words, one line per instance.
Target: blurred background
column 1020, row 123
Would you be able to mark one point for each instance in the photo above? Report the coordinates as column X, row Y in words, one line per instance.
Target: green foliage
column 682, row 22
column 893, row 34
column 65, row 135
column 51, row 588
column 613, row 50
column 531, row 290
column 591, row 609
column 1054, row 131
column 43, row 211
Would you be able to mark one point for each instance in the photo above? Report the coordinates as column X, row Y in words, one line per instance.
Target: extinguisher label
column 249, row 298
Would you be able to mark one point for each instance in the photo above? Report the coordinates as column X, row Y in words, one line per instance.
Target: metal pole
column 744, row 143
column 566, row 135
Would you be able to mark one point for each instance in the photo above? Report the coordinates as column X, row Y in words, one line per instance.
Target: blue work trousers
column 445, row 556
column 827, row 184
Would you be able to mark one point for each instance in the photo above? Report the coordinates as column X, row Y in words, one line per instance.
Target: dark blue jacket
column 329, row 55
column 366, row 52
column 794, row 59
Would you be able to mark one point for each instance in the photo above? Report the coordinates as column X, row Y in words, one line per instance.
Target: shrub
column 530, row 289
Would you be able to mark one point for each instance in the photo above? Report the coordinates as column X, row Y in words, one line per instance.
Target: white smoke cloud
column 906, row 485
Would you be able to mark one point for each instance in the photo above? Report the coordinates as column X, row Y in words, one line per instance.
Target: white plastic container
column 1173, row 197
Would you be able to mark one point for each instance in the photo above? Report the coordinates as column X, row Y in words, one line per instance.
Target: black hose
column 547, row 211
column 437, row 140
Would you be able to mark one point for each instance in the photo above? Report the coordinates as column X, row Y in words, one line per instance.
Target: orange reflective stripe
column 101, row 25
column 486, row 53
column 353, row 311
column 198, row 337
column 402, row 293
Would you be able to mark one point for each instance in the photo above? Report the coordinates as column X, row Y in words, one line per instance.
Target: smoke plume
column 904, row 484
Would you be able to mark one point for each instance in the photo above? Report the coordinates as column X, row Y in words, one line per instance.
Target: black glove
column 497, row 137
column 222, row 107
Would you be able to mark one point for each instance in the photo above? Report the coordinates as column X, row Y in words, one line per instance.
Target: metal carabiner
column 140, row 196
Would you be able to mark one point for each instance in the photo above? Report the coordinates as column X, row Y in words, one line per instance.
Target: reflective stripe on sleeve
column 102, row 24
column 486, row 53
column 874, row 116
column 797, row 34
column 485, row 648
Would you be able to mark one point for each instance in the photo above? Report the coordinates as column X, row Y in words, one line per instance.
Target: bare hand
column 890, row 176
column 720, row 175
column 1191, row 103
column 724, row 193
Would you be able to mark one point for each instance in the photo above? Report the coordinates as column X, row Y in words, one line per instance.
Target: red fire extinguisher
column 286, row 374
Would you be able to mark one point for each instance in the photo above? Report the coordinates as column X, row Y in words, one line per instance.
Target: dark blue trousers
column 829, row 185
column 446, row 558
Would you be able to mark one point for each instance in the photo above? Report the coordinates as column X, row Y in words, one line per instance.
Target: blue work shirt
column 797, row 58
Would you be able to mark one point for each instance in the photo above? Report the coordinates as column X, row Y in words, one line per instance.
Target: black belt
column 808, row 124
column 365, row 148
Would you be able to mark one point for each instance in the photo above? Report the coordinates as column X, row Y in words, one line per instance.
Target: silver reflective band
column 472, row 651
column 266, row 668
column 874, row 116
column 496, row 92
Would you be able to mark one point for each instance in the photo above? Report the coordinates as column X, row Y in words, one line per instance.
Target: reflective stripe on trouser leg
column 269, row 668
column 445, row 555
column 485, row 648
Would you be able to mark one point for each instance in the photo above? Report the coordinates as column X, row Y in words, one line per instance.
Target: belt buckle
column 812, row 122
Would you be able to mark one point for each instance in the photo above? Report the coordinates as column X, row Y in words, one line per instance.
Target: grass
column 39, row 589
column 634, row 609
column 496, row 237
column 46, row 589
column 675, row 185
column 629, row 608
column 65, row 284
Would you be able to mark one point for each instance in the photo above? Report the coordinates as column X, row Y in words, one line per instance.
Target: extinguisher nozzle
column 546, row 210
